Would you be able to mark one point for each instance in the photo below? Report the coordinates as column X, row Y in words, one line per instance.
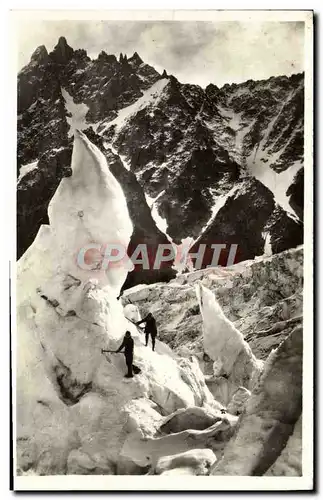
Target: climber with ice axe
column 127, row 344
column 150, row 328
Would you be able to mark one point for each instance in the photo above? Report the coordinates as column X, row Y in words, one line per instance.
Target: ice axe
column 135, row 368
column 135, row 324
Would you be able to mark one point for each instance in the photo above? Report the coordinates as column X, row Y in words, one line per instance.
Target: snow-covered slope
column 160, row 222
column 76, row 112
column 149, row 99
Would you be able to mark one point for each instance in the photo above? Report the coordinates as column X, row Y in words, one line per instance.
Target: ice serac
column 90, row 209
column 233, row 360
column 268, row 422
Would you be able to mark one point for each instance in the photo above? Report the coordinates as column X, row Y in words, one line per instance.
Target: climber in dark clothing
column 127, row 344
column 150, row 329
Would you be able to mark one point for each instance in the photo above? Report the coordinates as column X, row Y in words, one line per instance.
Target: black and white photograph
column 162, row 299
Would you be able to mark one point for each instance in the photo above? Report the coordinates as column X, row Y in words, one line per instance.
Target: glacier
column 73, row 401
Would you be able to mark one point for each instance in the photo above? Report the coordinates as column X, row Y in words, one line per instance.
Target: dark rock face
column 195, row 145
column 274, row 109
column 188, row 146
column 42, row 135
column 285, row 232
column 40, row 55
column 244, row 220
column 35, row 191
column 191, row 189
column 42, row 128
column 241, row 221
column 105, row 84
column 296, row 193
column 62, row 53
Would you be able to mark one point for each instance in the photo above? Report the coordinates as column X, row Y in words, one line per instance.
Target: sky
column 195, row 52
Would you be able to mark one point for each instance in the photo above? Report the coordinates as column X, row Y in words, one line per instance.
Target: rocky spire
column 81, row 54
column 164, row 75
column 62, row 52
column 40, row 54
column 173, row 81
column 211, row 87
column 123, row 58
column 136, row 59
column 108, row 58
column 103, row 55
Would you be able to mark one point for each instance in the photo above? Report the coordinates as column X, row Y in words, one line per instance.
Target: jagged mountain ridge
column 212, row 156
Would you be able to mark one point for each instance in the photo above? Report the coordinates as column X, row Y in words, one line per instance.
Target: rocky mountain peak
column 62, row 52
column 81, row 54
column 174, row 83
column 40, row 55
column 62, row 42
column 107, row 58
column 136, row 59
column 211, row 89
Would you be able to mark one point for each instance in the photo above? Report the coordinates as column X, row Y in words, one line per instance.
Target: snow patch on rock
column 78, row 112
column 25, row 169
column 277, row 182
column 125, row 163
column 218, row 203
column 161, row 222
column 267, row 247
column 149, row 97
